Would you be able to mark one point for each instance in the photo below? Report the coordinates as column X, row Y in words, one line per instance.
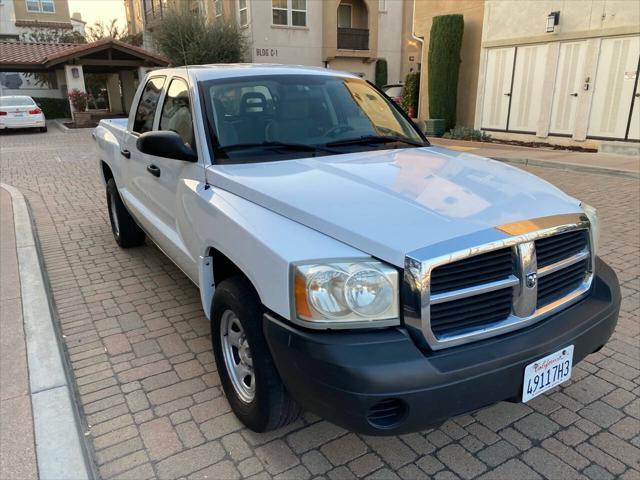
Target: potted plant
column 79, row 101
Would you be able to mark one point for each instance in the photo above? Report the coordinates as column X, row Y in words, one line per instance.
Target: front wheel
column 248, row 375
column 125, row 230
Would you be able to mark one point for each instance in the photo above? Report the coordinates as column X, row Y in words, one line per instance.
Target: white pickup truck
column 347, row 266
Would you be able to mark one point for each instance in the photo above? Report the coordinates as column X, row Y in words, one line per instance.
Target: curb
column 60, row 447
column 570, row 166
column 61, row 126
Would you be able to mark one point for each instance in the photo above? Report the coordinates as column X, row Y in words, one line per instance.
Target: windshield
column 16, row 101
column 275, row 117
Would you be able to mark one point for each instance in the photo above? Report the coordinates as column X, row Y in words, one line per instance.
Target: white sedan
column 18, row 111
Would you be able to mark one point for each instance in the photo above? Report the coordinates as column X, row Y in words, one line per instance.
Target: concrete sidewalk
column 17, row 443
column 627, row 165
column 40, row 436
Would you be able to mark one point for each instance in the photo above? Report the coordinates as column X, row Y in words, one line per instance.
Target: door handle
column 637, row 95
column 153, row 170
column 125, row 153
column 507, row 94
column 573, row 94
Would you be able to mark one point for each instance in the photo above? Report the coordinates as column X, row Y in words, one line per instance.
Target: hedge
column 54, row 107
column 411, row 93
column 381, row 72
column 444, row 65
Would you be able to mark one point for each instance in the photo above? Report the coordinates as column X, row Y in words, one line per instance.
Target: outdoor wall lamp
column 75, row 73
column 553, row 19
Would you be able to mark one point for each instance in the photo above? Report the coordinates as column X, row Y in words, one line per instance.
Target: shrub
column 54, row 107
column 444, row 65
column 187, row 39
column 467, row 133
column 79, row 100
column 381, row 72
column 411, row 93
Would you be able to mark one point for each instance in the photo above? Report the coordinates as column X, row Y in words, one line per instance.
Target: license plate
column 546, row 373
column 18, row 114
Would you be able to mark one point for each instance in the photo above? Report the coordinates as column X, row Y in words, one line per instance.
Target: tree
column 187, row 39
column 381, row 72
column 444, row 65
column 411, row 94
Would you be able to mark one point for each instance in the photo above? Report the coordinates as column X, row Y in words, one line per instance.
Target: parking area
column 139, row 348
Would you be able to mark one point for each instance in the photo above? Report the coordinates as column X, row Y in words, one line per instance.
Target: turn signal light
column 35, row 111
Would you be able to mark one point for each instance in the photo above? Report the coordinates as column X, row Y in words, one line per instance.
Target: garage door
column 497, row 88
column 526, row 96
column 615, row 87
column 568, row 87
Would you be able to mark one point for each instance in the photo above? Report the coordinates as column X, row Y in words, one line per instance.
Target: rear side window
column 176, row 111
column 146, row 110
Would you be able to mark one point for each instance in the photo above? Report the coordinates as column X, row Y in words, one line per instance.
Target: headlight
column 592, row 215
column 346, row 294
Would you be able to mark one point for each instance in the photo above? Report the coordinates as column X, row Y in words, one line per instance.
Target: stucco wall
column 473, row 12
column 390, row 38
column 513, row 19
column 61, row 13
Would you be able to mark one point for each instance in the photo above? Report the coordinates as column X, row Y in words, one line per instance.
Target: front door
column 568, row 87
column 497, row 88
column 159, row 184
column 615, row 87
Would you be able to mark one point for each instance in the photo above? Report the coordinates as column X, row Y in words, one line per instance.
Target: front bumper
column 344, row 376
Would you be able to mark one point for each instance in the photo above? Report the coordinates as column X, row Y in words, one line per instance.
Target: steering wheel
column 332, row 132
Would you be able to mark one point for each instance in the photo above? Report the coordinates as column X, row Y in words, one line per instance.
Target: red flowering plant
column 79, row 100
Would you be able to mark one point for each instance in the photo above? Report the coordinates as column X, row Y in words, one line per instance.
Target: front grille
column 561, row 282
column 471, row 312
column 500, row 289
column 551, row 250
column 472, row 271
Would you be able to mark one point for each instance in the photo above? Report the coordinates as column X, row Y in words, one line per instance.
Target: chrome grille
column 558, row 247
column 472, row 271
column 499, row 286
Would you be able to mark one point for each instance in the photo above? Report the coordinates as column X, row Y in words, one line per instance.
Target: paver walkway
column 148, row 386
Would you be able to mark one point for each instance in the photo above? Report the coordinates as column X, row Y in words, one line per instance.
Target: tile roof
column 44, row 55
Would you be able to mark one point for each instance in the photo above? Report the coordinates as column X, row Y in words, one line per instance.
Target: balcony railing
column 353, row 39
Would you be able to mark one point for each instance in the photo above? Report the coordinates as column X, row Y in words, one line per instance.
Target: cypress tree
column 444, row 65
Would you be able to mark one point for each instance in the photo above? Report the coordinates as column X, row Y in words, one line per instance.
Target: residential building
column 563, row 72
column 19, row 19
column 349, row 35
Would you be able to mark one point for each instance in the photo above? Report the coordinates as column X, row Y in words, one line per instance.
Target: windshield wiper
column 370, row 139
column 301, row 147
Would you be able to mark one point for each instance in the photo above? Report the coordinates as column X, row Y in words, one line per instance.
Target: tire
column 271, row 406
column 125, row 230
column 43, row 129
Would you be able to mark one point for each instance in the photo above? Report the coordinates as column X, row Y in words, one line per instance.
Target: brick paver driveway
column 151, row 398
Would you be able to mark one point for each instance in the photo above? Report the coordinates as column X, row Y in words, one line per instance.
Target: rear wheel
column 43, row 129
column 248, row 375
column 125, row 230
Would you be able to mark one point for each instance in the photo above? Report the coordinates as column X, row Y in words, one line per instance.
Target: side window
column 176, row 111
column 146, row 111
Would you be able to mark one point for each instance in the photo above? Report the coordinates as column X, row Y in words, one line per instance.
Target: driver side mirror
column 167, row 144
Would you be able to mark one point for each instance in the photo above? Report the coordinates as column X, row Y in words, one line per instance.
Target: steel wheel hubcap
column 237, row 356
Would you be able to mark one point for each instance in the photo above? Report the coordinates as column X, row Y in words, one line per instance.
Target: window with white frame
column 217, row 7
column 40, row 6
column 289, row 12
column 243, row 12
column 280, row 12
column 299, row 13
column 382, row 5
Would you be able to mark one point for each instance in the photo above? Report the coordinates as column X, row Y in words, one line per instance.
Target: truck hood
column 388, row 203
